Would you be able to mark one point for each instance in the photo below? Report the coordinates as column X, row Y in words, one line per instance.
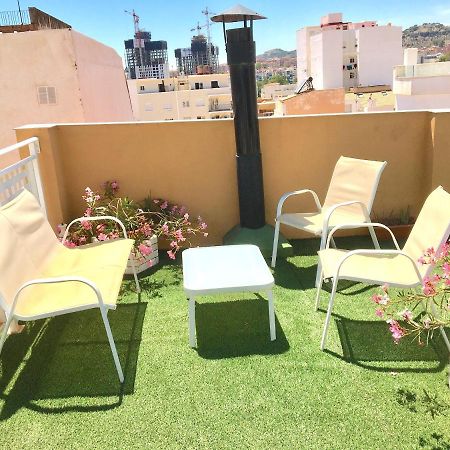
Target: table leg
column 271, row 315
column 192, row 338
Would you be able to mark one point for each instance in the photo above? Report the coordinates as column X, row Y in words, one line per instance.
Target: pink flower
column 428, row 287
column 380, row 299
column 205, row 234
column 165, row 228
column 379, row 312
column 174, row 244
column 100, row 228
column 86, row 224
column 156, row 201
column 171, row 254
column 114, row 185
column 426, row 322
column 102, row 237
column 385, row 287
column 179, row 235
column 88, row 212
column 82, row 240
column 144, row 249
column 203, row 226
column 406, row 314
column 164, row 205
column 446, row 268
column 69, row 244
column 396, row 330
column 150, row 263
column 421, row 260
column 444, row 250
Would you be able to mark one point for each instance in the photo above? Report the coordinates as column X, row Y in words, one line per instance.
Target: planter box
column 401, row 232
column 144, row 262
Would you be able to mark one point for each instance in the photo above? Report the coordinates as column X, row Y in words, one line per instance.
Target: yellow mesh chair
column 398, row 268
column 40, row 277
column 349, row 199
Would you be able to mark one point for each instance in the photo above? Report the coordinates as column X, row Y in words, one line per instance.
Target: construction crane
column 137, row 35
column 207, row 13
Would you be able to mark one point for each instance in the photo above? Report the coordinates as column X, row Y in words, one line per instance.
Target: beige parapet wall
column 193, row 162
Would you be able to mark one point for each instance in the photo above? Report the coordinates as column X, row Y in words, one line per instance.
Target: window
column 186, row 104
column 46, row 95
column 214, row 84
column 352, row 75
column 352, row 60
column 198, row 85
column 142, row 88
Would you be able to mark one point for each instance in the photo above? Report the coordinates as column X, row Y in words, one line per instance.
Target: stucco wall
column 166, row 159
column 101, row 81
column 316, row 102
column 29, row 60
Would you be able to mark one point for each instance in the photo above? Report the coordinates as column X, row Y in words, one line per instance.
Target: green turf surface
column 59, row 388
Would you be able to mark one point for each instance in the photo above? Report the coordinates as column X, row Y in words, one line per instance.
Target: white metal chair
column 40, row 277
column 398, row 268
column 349, row 198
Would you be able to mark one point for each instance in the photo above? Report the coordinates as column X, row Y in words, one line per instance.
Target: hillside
column 276, row 53
column 427, row 35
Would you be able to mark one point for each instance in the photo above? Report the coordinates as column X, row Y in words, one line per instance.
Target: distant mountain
column 276, row 53
column 427, row 35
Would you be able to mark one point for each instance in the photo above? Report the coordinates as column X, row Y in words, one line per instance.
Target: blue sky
column 171, row 21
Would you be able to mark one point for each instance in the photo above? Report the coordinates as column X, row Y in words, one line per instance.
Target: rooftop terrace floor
column 59, row 387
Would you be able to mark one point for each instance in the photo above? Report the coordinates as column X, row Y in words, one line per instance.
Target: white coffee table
column 228, row 268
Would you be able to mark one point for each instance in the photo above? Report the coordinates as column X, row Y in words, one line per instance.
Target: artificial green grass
column 59, row 388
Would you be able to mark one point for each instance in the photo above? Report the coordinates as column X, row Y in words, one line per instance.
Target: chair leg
column 330, row 309
column 275, row 243
column 112, row 343
column 4, row 332
column 133, row 266
column 273, row 335
column 318, row 289
column 192, row 337
column 373, row 235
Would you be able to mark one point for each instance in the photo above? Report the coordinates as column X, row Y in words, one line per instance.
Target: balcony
column 238, row 389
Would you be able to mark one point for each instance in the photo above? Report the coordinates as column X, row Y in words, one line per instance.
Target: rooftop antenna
column 137, row 35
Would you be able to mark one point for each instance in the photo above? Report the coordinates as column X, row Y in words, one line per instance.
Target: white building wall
column 420, row 102
column 379, row 50
column 332, row 47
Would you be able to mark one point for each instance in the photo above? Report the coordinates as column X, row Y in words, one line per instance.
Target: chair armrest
column 361, row 225
column 332, row 209
column 53, row 280
column 379, row 253
column 94, row 218
column 290, row 194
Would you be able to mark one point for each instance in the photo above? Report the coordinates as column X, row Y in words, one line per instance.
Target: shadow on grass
column 365, row 343
column 150, row 284
column 435, row 441
column 237, row 328
column 68, row 357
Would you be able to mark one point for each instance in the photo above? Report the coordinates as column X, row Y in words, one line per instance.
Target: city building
column 345, row 54
column 57, row 75
column 146, row 58
column 422, row 86
column 274, row 91
column 202, row 57
column 188, row 97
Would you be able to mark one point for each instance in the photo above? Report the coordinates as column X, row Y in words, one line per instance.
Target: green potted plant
column 400, row 223
column 144, row 222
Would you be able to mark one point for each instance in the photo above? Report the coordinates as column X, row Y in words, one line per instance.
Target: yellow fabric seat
column 313, row 222
column 379, row 269
column 103, row 264
column 400, row 267
column 40, row 277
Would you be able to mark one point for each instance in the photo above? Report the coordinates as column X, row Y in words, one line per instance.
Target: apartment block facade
column 344, row 54
column 182, row 98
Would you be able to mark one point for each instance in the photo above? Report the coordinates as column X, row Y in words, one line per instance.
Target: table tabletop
column 227, row 268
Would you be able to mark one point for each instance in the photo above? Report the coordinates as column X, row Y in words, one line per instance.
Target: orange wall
column 193, row 162
column 326, row 101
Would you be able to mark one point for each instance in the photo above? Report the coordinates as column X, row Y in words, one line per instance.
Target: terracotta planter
column 401, row 232
column 144, row 262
